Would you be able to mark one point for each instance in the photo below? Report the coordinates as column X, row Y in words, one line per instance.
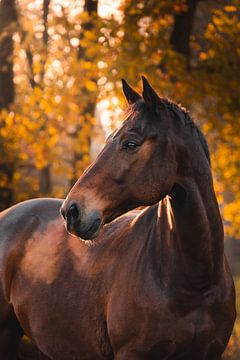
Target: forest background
column 61, row 64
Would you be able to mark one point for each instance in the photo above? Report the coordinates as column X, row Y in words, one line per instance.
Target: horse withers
column 150, row 284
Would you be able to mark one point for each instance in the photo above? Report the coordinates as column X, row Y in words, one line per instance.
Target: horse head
column 137, row 166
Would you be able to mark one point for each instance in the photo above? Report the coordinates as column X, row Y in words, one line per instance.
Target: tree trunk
column 45, row 183
column 91, row 8
column 182, row 30
column 8, row 17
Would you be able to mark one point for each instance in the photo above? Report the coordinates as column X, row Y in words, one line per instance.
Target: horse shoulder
column 18, row 224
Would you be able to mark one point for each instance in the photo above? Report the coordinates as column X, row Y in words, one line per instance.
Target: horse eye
column 129, row 145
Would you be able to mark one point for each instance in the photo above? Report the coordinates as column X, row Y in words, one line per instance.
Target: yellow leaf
column 203, row 56
column 230, row 8
column 90, row 85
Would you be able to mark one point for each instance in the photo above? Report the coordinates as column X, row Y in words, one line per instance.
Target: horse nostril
column 73, row 213
column 63, row 212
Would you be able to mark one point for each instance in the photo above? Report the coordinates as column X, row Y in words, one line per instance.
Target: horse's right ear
column 131, row 95
column 150, row 97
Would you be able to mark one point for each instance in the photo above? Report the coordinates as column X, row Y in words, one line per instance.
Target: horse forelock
column 136, row 113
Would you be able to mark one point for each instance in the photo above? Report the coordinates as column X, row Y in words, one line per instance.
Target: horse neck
column 193, row 240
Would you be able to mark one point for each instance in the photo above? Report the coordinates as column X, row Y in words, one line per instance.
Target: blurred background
column 61, row 64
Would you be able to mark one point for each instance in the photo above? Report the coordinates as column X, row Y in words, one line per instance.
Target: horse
column 123, row 283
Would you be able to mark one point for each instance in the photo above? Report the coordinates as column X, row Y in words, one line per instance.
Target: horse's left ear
column 151, row 98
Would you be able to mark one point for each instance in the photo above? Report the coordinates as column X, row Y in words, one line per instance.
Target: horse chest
column 150, row 323
column 76, row 320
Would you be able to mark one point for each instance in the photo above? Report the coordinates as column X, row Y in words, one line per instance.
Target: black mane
column 187, row 120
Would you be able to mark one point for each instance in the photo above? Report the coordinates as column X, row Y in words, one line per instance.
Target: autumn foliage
column 63, row 60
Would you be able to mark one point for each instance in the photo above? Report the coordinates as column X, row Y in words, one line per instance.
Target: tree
column 8, row 17
column 45, row 97
column 218, row 77
column 72, row 58
column 182, row 29
column 45, row 185
column 87, row 58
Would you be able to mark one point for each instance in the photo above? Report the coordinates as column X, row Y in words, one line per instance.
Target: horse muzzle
column 85, row 226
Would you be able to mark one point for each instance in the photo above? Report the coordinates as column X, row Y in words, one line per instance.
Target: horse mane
column 184, row 115
column 181, row 113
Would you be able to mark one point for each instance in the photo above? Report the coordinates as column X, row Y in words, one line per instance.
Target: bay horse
column 123, row 284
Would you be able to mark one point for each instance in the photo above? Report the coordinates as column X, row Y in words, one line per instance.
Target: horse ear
column 131, row 95
column 151, row 98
